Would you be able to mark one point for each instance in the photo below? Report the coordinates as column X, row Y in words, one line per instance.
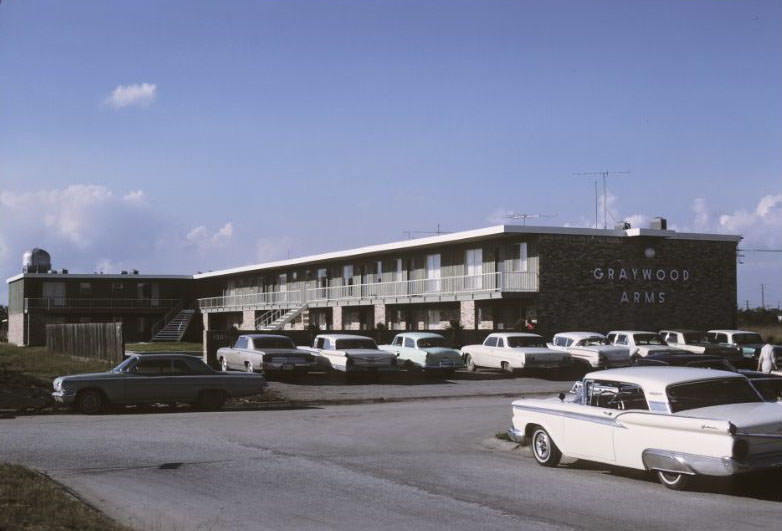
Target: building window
column 85, row 288
column 117, row 287
column 473, row 266
column 283, row 282
column 433, row 272
column 519, row 257
column 347, row 274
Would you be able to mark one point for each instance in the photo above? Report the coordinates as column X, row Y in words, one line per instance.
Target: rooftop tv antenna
column 524, row 216
column 411, row 233
column 604, row 175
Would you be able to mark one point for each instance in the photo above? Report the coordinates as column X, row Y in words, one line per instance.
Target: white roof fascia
column 93, row 276
column 465, row 236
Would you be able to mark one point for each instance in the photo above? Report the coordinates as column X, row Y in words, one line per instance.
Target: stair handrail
column 158, row 325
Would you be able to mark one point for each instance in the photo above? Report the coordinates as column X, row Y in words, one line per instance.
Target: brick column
column 380, row 314
column 336, row 317
column 248, row 320
column 467, row 315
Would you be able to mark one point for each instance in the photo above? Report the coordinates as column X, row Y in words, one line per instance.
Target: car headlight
column 57, row 384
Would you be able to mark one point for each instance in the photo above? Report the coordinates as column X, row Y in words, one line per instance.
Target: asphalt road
column 421, row 465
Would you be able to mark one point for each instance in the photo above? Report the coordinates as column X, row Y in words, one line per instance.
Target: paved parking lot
column 419, row 464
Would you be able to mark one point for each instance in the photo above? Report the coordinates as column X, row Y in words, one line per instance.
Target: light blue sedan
column 424, row 351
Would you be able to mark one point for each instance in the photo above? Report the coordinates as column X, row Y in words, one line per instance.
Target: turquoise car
column 424, row 351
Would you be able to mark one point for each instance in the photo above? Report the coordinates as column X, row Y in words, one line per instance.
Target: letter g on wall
column 598, row 273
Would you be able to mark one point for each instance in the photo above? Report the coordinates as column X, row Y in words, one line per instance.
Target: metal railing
column 487, row 282
column 70, row 303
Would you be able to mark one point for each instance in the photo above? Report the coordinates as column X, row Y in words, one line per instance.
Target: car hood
column 752, row 416
column 91, row 376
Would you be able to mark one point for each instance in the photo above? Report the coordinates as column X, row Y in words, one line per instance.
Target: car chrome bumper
column 516, row 435
column 63, row 397
column 290, row 366
column 372, row 368
column 693, row 464
column 450, row 366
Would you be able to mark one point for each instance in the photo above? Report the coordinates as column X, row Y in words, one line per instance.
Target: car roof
column 173, row 356
column 420, row 335
column 682, row 331
column 656, row 379
column 724, row 331
column 515, row 334
column 343, row 336
column 254, row 336
column 578, row 335
column 632, row 332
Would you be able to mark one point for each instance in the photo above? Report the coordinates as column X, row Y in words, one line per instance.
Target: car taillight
column 740, row 449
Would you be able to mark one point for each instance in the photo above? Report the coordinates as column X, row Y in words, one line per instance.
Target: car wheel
column 673, row 480
column 211, row 400
column 469, row 363
column 248, row 366
column 90, row 402
column 223, row 364
column 544, row 450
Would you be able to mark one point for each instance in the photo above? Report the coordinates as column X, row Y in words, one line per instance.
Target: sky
column 185, row 136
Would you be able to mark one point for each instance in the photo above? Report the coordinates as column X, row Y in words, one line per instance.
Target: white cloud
column 200, row 238
column 761, row 226
column 702, row 216
column 136, row 95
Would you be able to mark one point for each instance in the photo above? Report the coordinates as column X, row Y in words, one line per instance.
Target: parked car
column 352, row 354
column 768, row 385
column 696, row 342
column 640, row 343
column 514, row 350
column 677, row 422
column 590, row 348
column 683, row 358
column 748, row 342
column 266, row 352
column 424, row 351
column 155, row 378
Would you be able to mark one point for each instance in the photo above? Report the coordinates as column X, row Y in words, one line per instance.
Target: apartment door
column 432, row 272
column 473, row 264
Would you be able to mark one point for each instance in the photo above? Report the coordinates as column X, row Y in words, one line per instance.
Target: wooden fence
column 103, row 341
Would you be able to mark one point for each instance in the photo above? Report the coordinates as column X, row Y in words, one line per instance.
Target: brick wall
column 598, row 283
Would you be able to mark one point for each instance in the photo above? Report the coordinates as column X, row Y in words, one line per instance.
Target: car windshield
column 272, row 342
column 345, row 344
column 695, row 337
column 747, row 339
column 592, row 340
column 717, row 392
column 522, row 341
column 123, row 367
column 426, row 342
column 647, row 339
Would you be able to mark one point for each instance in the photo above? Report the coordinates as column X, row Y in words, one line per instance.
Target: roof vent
column 123, row 272
column 135, row 271
column 624, row 225
column 658, row 223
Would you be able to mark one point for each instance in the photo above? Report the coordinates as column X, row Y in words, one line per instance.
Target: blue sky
column 247, row 131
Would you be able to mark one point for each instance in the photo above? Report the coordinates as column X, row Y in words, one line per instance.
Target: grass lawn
column 26, row 375
column 164, row 347
column 29, row 500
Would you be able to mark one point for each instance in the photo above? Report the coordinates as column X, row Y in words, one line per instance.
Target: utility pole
column 763, row 295
column 604, row 175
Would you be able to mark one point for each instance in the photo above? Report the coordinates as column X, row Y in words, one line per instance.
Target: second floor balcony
column 66, row 304
column 425, row 289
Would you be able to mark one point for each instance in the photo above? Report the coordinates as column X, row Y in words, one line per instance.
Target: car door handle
column 609, row 413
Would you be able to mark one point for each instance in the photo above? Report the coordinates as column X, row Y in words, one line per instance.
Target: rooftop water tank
column 36, row 261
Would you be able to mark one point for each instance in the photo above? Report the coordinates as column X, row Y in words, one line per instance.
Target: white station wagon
column 676, row 421
column 509, row 351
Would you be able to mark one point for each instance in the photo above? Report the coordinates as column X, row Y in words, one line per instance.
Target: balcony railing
column 446, row 286
column 83, row 303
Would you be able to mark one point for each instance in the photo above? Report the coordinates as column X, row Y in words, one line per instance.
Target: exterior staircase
column 175, row 329
column 277, row 319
